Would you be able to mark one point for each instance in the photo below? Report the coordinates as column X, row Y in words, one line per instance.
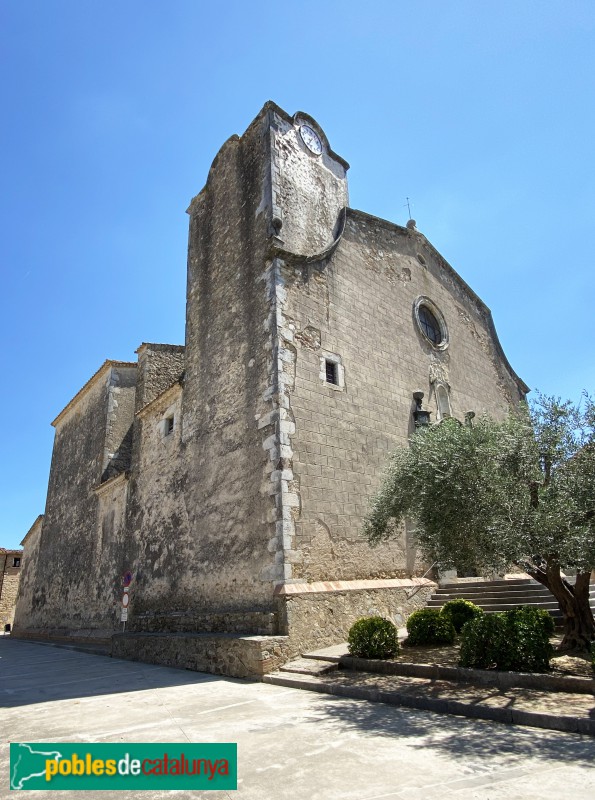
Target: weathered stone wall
column 74, row 589
column 317, row 615
column 30, row 566
column 160, row 545
column 110, row 548
column 9, row 585
column 309, row 190
column 210, row 514
column 120, row 418
column 247, row 622
column 62, row 597
column 358, row 306
column 238, row 656
column 208, row 507
column 227, row 507
column 159, row 367
column 151, row 516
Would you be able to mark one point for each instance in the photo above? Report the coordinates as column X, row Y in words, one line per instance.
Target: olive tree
column 491, row 494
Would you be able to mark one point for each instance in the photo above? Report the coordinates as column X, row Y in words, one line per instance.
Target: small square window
column 16, row 562
column 332, row 372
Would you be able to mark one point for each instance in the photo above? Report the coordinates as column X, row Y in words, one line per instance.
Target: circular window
column 431, row 322
column 429, row 325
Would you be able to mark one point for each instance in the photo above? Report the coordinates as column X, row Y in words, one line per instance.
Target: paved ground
column 291, row 744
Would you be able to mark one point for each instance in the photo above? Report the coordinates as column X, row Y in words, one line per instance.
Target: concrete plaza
column 291, row 743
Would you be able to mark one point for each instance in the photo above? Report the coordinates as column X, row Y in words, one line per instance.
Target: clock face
column 311, row 139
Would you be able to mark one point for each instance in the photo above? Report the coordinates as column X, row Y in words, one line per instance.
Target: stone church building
column 205, row 502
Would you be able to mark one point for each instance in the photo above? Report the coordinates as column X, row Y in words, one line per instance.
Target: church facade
column 227, row 479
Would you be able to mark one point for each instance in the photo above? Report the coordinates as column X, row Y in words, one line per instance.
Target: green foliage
column 493, row 493
column 516, row 640
column 429, row 626
column 373, row 637
column 484, row 642
column 593, row 655
column 461, row 611
column 539, row 616
column 486, row 495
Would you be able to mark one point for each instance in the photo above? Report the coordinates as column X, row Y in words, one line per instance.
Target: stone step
column 556, row 615
column 560, row 711
column 506, row 599
column 552, row 607
column 333, row 653
column 477, row 592
column 506, row 603
column 498, row 582
column 510, row 602
column 527, row 590
column 309, row 666
column 513, row 590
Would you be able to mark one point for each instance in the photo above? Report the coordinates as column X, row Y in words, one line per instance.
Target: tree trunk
column 579, row 625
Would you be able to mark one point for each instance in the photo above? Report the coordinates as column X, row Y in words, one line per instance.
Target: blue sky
column 482, row 113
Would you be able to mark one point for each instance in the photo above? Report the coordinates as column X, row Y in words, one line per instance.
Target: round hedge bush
column 373, row 637
column 429, row 626
column 516, row 640
column 484, row 643
column 533, row 618
column 461, row 611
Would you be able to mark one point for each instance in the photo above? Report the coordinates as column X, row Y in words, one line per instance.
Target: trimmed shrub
column 527, row 615
column 516, row 641
column 461, row 611
column 545, row 617
column 373, row 637
column 484, row 642
column 429, row 626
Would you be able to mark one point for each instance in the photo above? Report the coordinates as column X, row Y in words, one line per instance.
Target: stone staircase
column 502, row 595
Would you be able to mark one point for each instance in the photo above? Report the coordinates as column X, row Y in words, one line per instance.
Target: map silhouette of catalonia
column 28, row 764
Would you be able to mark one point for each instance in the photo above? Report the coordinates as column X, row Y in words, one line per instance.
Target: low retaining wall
column 316, row 615
column 220, row 654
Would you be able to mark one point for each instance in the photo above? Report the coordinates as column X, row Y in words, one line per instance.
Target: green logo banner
column 66, row 766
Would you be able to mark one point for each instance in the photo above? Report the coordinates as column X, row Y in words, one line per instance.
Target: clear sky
column 483, row 113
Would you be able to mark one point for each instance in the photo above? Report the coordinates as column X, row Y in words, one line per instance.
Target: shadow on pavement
column 37, row 673
column 460, row 737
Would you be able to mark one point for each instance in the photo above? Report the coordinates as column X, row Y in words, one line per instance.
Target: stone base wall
column 220, row 654
column 310, row 615
column 318, row 615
